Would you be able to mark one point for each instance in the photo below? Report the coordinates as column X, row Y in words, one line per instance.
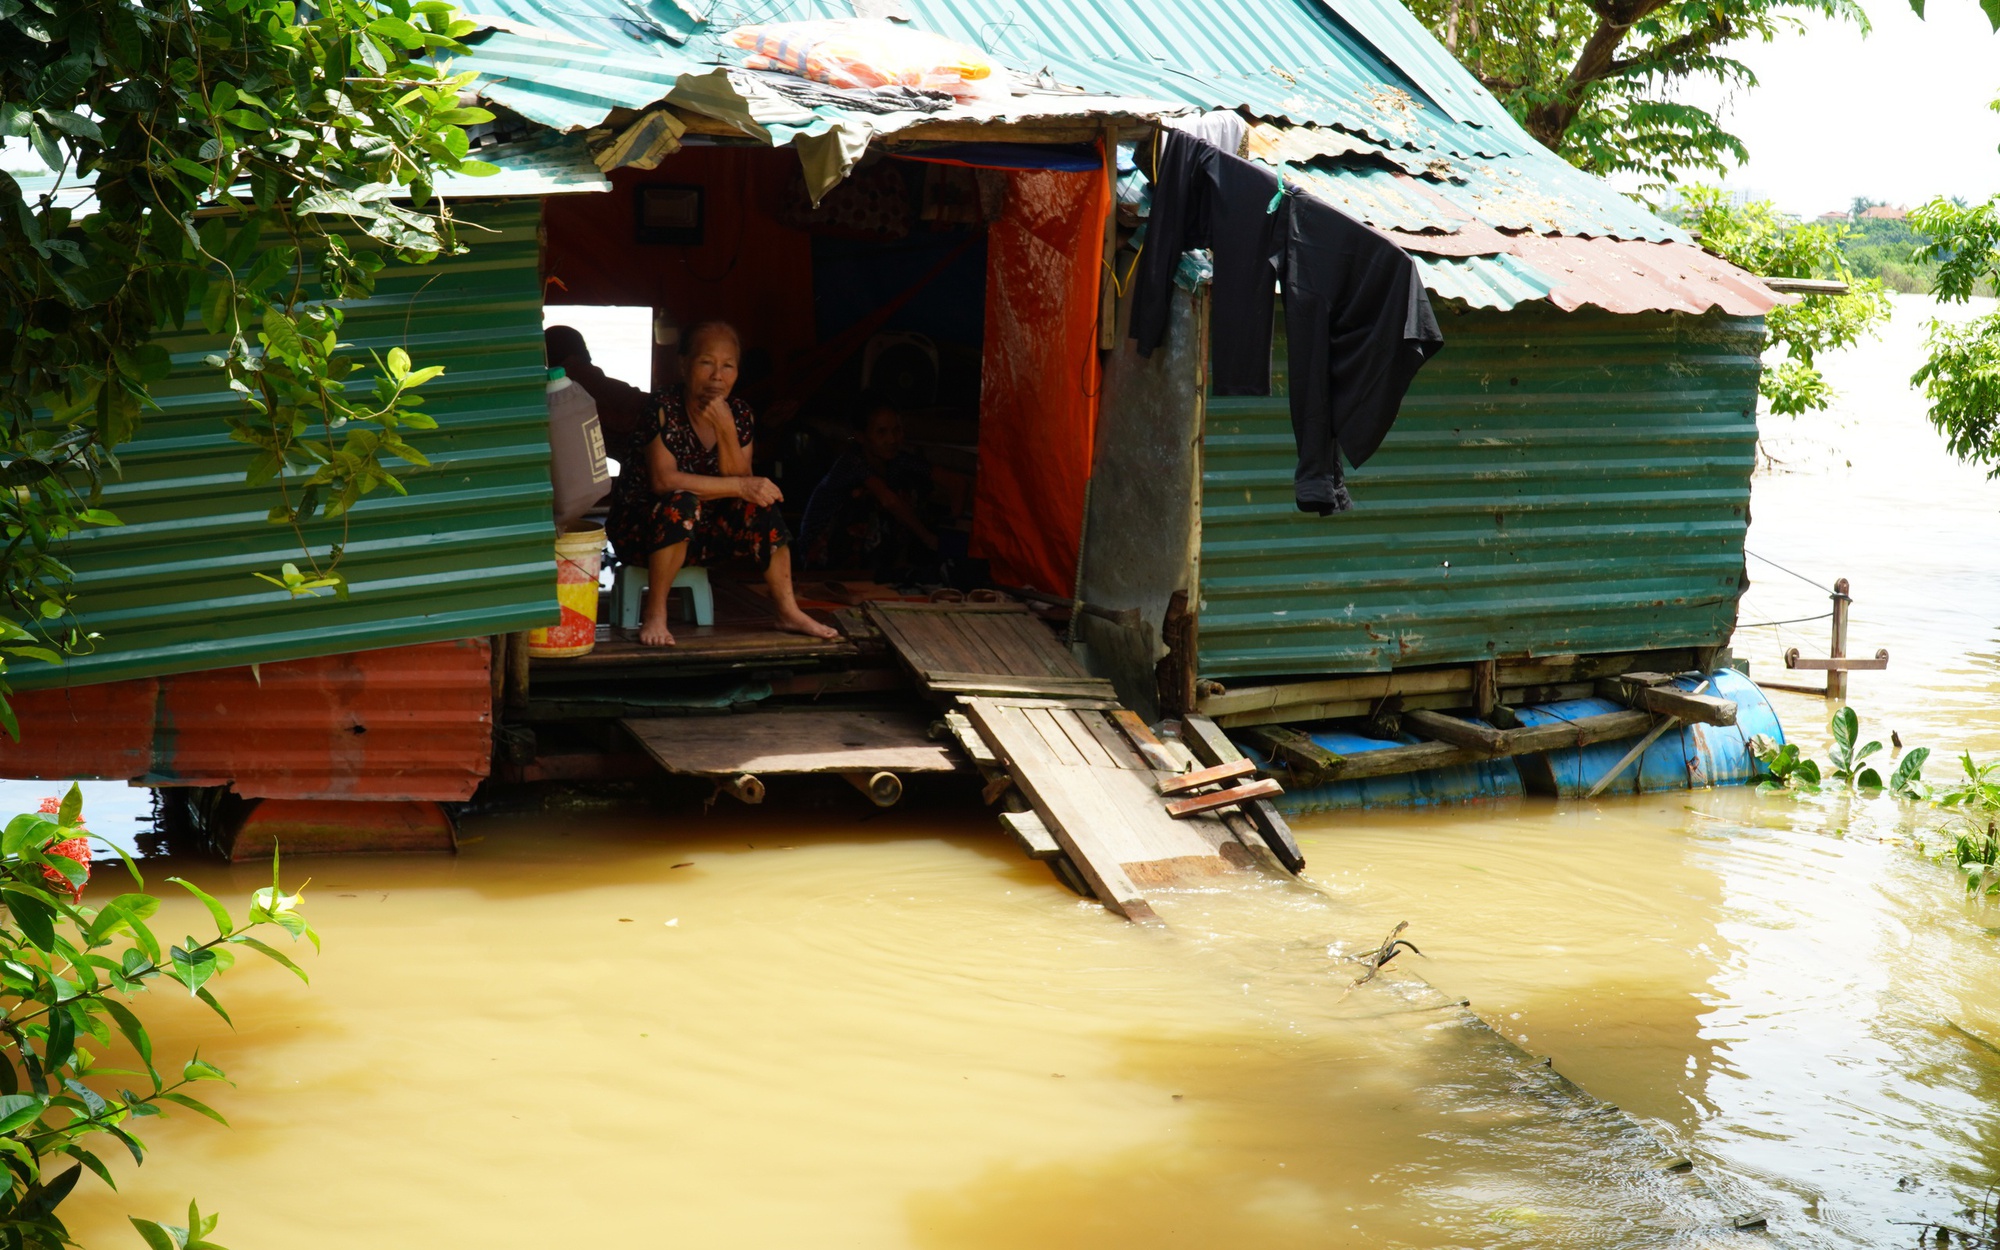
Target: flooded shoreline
column 826, row 1026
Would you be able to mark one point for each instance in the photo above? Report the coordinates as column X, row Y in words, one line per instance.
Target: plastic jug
column 576, row 450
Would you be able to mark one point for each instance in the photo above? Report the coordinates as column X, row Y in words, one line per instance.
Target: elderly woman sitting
column 686, row 494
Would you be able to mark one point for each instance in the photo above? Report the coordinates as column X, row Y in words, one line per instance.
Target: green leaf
column 397, row 29
column 216, row 308
column 223, row 925
column 18, row 1110
column 35, row 918
column 156, row 1235
column 70, row 810
column 135, row 1032
column 398, row 363
column 273, row 953
column 195, row 1105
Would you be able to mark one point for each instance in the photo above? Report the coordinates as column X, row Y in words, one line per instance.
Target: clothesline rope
column 1782, row 569
column 1796, row 620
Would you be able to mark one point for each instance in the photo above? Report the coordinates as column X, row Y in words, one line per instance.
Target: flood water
column 814, row 1027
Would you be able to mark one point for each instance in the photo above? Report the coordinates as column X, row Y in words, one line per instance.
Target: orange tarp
column 1039, row 387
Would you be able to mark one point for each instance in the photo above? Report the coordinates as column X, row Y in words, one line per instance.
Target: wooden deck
column 984, row 649
column 795, row 740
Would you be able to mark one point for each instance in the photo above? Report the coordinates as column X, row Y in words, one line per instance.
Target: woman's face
column 711, row 369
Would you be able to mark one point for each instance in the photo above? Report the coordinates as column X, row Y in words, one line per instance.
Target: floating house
column 1562, row 503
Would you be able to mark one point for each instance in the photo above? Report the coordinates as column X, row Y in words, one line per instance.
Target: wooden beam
column 1032, row 834
column 1144, row 741
column 1838, row 664
column 1392, row 761
column 517, row 670
column 1046, row 687
column 1365, row 687
column 1306, row 760
column 1211, row 746
column 1459, row 733
column 1107, row 302
column 884, row 789
column 1211, row 776
column 1231, row 797
column 1706, row 709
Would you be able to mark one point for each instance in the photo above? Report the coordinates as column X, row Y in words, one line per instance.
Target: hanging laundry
column 1359, row 325
column 1205, row 197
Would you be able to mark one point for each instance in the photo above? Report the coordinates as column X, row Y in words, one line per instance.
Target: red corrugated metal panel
column 1626, row 276
column 102, row 732
column 399, row 723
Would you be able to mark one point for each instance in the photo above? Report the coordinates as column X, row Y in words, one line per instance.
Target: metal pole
column 1836, row 679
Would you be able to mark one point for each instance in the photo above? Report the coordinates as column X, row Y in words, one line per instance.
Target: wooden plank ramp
column 1099, row 800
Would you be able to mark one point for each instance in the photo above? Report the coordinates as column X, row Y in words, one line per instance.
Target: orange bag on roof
column 862, row 52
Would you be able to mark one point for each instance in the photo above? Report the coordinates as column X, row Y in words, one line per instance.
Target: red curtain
column 1040, row 381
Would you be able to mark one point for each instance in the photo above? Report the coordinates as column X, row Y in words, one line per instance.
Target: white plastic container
column 576, row 450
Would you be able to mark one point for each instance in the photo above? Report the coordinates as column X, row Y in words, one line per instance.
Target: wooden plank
column 1058, row 660
column 969, row 741
column 1211, row 776
column 1839, row 664
column 1664, row 700
column 1111, row 740
column 1032, row 834
column 981, row 655
column 820, row 741
column 1042, row 721
column 988, row 683
column 1296, row 752
column 1224, row 798
column 1363, row 687
column 1143, row 739
column 1087, row 746
column 1076, row 703
column 1459, row 733
column 1211, row 746
column 1039, row 776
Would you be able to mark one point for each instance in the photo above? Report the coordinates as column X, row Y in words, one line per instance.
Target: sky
column 1899, row 115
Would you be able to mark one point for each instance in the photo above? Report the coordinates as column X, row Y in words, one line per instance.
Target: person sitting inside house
column 685, row 493
column 874, row 508
column 620, row 405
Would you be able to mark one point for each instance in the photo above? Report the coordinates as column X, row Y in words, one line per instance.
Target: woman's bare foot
column 653, row 631
column 795, row 621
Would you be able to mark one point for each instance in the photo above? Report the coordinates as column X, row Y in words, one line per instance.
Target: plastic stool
column 628, row 594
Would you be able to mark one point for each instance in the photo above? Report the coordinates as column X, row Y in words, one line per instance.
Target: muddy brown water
column 813, row 1028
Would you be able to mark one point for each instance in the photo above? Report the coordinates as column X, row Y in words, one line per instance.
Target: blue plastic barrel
column 1685, row 757
column 1487, row 779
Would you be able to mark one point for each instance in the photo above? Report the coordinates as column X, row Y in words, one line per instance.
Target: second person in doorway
column 686, row 494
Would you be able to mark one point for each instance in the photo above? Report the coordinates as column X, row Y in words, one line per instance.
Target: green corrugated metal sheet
column 1557, row 483
column 469, row 551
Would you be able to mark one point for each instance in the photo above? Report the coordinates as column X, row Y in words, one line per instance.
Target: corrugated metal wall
column 1557, row 483
column 470, row 550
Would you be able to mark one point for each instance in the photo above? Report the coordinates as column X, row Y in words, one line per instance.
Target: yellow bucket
column 579, row 554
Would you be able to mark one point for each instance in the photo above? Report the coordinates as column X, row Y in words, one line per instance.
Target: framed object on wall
column 668, row 214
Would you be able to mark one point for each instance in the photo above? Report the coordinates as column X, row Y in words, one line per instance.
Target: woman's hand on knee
column 760, row 491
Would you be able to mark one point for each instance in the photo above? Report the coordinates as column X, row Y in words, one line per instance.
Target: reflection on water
column 781, row 1027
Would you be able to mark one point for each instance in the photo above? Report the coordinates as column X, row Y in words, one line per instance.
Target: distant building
column 1836, row 216
column 1883, row 212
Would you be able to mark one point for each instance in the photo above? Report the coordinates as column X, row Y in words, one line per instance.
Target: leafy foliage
column 1757, row 237
column 1974, row 846
column 67, row 975
column 246, row 162
column 1961, row 376
column 1789, row 769
column 1847, row 763
column 1597, row 80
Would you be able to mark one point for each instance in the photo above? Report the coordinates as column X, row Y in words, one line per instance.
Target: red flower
column 77, row 849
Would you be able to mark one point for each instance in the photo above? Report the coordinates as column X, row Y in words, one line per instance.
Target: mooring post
column 1836, row 678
